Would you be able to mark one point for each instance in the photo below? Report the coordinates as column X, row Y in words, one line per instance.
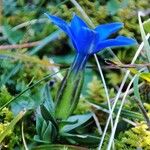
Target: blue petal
column 60, row 23
column 85, row 40
column 107, row 29
column 119, row 41
column 64, row 26
column 77, row 23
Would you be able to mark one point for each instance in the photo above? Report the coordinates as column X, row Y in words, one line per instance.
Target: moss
column 96, row 91
column 83, row 106
column 6, row 116
column 137, row 137
column 98, row 12
column 5, row 96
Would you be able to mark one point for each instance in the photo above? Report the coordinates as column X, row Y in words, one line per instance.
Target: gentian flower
column 86, row 42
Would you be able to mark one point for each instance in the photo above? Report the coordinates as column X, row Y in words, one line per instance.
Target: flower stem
column 70, row 89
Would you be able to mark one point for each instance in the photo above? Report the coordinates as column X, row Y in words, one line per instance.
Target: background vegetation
column 32, row 48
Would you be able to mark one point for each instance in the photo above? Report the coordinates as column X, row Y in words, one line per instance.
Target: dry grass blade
column 20, row 46
column 118, row 114
column 27, row 58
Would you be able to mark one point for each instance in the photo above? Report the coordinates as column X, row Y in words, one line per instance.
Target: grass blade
column 146, row 43
column 45, row 41
column 43, row 79
column 119, row 91
column 118, row 114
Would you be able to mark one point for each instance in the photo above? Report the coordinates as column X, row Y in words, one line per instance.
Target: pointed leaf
column 81, row 119
column 13, row 36
column 143, row 34
column 48, row 116
column 146, row 25
column 83, row 139
column 48, row 103
column 58, row 147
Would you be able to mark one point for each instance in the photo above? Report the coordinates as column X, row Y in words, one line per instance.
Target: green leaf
column 124, row 113
column 27, row 89
column 37, row 139
column 63, row 59
column 114, row 5
column 48, row 103
column 42, row 133
column 44, row 126
column 82, row 139
column 146, row 76
column 143, row 75
column 135, row 87
column 143, row 34
column 68, row 94
column 45, row 41
column 50, row 133
column 66, row 122
column 27, row 101
column 139, row 101
column 46, row 131
column 146, row 25
column 10, row 6
column 12, row 36
column 78, row 119
column 130, row 114
column 48, row 116
column 39, row 123
column 11, row 73
column 58, row 147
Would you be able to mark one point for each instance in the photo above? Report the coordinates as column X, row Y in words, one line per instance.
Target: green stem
column 70, row 89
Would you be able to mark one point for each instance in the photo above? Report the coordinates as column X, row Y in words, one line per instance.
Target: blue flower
column 87, row 41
